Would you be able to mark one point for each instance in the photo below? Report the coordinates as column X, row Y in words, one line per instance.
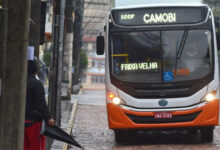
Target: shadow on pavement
column 161, row 137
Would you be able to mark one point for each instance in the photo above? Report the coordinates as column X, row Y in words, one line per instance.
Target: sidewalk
column 68, row 110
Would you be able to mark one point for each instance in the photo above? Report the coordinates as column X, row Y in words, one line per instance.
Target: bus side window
column 218, row 38
column 217, row 27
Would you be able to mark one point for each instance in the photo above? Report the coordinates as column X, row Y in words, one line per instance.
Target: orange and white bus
column 161, row 69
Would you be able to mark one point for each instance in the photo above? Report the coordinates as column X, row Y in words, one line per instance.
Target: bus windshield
column 161, row 56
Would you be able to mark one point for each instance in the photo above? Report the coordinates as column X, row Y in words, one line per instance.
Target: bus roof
column 161, row 5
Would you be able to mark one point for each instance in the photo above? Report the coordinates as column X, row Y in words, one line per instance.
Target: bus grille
column 175, row 118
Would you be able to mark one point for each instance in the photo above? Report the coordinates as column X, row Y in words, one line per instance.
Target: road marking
column 71, row 123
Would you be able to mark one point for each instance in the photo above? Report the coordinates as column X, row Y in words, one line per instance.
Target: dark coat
column 36, row 107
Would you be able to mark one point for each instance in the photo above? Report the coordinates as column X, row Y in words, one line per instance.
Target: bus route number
column 127, row 16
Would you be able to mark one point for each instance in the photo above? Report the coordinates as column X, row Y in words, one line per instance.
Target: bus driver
column 192, row 51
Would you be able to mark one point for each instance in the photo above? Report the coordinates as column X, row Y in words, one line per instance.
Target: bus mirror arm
column 100, row 44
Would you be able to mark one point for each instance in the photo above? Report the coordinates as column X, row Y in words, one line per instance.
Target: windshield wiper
column 183, row 41
column 180, row 49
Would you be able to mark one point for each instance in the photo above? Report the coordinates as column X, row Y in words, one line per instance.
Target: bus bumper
column 206, row 115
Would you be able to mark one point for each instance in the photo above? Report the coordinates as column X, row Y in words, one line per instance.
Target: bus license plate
column 163, row 115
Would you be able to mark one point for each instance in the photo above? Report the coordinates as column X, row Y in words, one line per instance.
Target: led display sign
column 159, row 16
column 139, row 66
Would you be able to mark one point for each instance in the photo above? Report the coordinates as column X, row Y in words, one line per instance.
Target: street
column 91, row 130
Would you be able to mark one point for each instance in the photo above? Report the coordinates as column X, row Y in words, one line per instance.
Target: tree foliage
column 214, row 4
column 47, row 58
column 216, row 12
column 83, row 60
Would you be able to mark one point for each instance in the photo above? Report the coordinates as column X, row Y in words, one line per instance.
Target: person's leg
column 43, row 142
column 26, row 139
column 35, row 137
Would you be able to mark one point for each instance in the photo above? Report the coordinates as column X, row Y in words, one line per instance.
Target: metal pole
column 60, row 58
column 56, row 70
column 55, row 42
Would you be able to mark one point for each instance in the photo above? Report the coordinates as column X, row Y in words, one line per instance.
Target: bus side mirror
column 100, row 45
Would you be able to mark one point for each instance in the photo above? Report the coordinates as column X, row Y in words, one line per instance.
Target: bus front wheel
column 120, row 136
column 123, row 136
column 207, row 134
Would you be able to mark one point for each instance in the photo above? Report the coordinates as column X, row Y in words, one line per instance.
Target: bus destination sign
column 159, row 16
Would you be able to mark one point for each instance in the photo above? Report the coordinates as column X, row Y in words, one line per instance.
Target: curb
column 71, row 123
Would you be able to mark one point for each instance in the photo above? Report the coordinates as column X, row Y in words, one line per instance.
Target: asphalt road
column 91, row 131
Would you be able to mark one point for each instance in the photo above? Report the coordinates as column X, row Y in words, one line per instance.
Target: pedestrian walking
column 36, row 111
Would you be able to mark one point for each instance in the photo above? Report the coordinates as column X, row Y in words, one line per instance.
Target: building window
column 94, row 46
column 93, row 64
column 84, row 79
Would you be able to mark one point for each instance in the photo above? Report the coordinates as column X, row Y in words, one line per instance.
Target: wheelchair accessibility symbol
column 168, row 76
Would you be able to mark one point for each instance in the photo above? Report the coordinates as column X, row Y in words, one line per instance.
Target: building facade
column 95, row 74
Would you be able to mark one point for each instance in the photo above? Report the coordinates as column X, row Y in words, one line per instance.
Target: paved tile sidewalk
column 66, row 110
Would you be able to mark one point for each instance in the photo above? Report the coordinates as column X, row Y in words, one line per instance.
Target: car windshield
column 161, row 56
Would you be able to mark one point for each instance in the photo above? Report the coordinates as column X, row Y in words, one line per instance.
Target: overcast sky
column 119, row 3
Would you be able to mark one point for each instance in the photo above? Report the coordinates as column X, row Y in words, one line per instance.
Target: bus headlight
column 210, row 96
column 114, row 99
